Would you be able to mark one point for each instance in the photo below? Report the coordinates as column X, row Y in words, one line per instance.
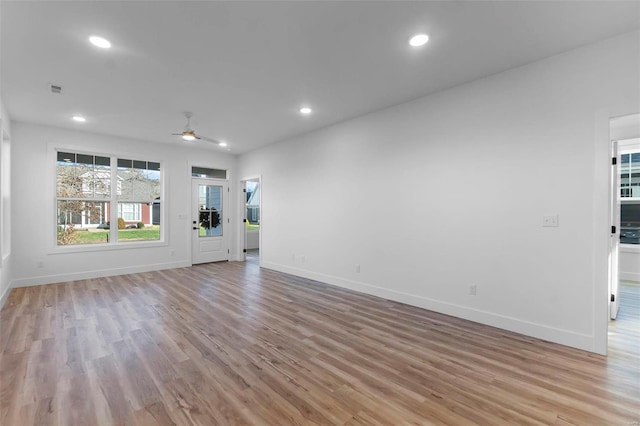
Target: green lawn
column 145, row 234
column 99, row 236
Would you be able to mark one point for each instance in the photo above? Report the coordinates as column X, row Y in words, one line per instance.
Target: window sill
column 83, row 248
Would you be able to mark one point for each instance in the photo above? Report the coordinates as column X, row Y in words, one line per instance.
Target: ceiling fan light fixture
column 188, row 136
column 100, row 42
column 419, row 40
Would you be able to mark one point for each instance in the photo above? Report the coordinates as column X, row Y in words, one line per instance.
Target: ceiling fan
column 188, row 134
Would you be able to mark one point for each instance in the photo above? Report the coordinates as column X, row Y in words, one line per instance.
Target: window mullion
column 113, row 214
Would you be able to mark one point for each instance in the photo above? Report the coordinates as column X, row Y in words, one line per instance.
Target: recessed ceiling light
column 79, row 118
column 100, row 42
column 305, row 110
column 419, row 40
column 222, row 144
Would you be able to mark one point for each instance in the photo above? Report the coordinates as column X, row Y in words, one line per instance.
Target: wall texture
column 36, row 260
column 420, row 201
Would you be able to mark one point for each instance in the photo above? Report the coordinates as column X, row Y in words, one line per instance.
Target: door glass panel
column 210, row 210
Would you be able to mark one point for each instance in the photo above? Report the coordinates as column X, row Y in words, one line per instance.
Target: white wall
column 629, row 263
column 448, row 191
column 33, row 174
column 5, row 204
column 253, row 240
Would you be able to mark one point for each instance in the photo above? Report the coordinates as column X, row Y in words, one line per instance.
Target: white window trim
column 51, row 187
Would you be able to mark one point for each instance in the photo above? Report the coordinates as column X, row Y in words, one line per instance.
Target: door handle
column 195, row 228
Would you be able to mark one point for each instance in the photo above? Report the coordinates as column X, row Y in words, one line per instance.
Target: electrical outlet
column 358, row 269
column 550, row 221
column 303, row 259
column 473, row 289
column 40, row 264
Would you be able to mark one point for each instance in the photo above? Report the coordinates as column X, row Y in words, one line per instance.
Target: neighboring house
column 138, row 195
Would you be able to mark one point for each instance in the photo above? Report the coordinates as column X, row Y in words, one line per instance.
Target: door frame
column 226, row 206
column 601, row 230
column 614, row 244
column 242, row 213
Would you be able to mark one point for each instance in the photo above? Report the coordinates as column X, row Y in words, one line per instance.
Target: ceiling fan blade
column 204, row 138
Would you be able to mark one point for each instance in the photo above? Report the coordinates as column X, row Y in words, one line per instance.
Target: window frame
column 113, row 243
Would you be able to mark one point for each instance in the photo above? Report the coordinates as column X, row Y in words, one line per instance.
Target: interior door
column 615, row 233
column 209, row 230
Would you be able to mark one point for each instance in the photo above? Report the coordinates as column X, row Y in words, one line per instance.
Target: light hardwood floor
column 229, row 343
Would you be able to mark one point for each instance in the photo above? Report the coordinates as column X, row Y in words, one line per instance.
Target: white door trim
column 241, row 215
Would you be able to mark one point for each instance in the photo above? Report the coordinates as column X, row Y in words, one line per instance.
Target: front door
column 209, row 234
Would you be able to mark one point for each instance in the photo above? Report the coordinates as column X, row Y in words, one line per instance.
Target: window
column 139, row 187
column 83, row 185
column 202, row 172
column 630, row 175
column 129, row 211
column 86, row 188
column 630, row 197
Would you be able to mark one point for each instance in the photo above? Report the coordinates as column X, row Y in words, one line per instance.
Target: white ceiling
column 245, row 68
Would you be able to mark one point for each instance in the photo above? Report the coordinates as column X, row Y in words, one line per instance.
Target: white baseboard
column 629, row 276
column 5, row 295
column 74, row 276
column 539, row 331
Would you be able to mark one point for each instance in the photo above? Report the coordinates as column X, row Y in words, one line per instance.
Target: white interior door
column 209, row 230
column 615, row 233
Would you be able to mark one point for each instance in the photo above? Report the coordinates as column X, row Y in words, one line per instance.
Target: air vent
column 55, row 88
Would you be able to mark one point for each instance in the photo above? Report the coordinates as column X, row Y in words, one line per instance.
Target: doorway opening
column 625, row 237
column 252, row 198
